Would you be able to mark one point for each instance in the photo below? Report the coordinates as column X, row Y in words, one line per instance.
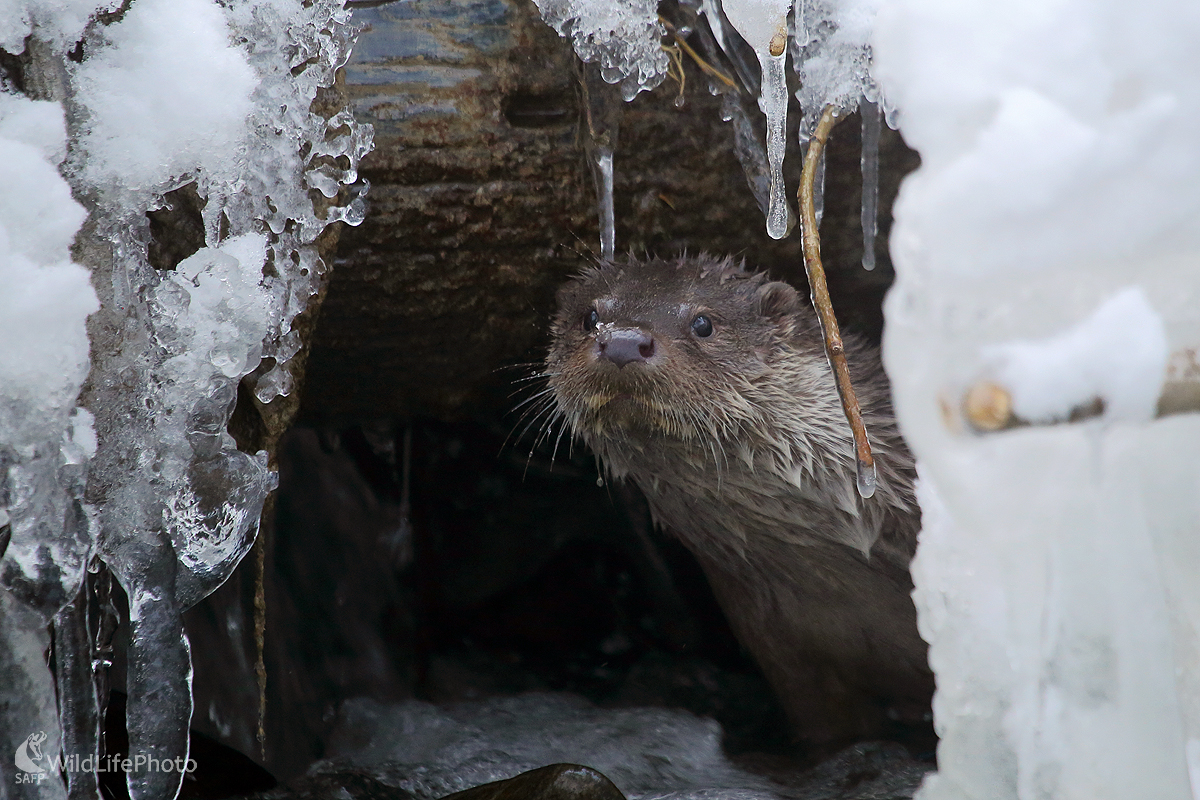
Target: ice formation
column 1118, row 355
column 45, row 535
column 1049, row 240
column 827, row 40
column 143, row 479
column 869, row 162
column 764, row 26
column 622, row 37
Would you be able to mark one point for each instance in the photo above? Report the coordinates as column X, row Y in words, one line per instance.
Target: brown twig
column 707, row 68
column 834, row 349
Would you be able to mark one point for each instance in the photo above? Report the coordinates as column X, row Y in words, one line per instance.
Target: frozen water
column 24, row 677
column 869, row 161
column 649, row 753
column 1051, row 232
column 175, row 93
column 763, row 24
column 831, row 54
column 603, row 167
column 623, row 37
column 43, row 362
column 59, row 22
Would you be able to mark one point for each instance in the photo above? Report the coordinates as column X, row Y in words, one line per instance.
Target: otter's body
column 708, row 387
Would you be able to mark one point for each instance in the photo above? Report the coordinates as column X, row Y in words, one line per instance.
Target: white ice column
column 1050, row 244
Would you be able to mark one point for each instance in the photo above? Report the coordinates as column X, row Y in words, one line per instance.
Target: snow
column 170, row 93
column 1048, row 243
column 59, row 22
column 148, row 118
column 1118, row 354
column 831, row 55
column 43, row 357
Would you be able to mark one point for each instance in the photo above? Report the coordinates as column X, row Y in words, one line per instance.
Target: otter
column 708, row 387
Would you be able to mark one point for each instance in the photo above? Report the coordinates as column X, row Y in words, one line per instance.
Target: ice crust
column 145, row 478
column 649, row 753
column 1048, row 242
column 622, row 37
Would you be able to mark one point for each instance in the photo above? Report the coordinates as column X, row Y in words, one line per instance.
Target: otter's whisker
column 533, row 397
column 533, row 415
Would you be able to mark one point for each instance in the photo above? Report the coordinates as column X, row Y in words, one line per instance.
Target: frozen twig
column 834, row 349
column 705, row 67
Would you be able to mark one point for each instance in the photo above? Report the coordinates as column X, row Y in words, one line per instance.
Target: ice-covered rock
column 147, row 479
column 1049, row 242
column 43, row 362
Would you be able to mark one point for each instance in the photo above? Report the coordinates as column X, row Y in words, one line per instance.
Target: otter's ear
column 778, row 302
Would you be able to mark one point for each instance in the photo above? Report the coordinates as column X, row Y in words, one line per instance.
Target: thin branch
column 707, row 68
column 834, row 349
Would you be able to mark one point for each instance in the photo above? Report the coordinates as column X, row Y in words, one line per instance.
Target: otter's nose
column 625, row 345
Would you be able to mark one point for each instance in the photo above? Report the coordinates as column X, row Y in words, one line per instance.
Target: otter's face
column 666, row 348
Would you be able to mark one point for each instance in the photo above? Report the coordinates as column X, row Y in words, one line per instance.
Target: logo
column 27, row 756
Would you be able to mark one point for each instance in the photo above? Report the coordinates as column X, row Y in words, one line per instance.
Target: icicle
column 159, row 671
column 711, row 9
column 866, row 478
column 29, row 734
column 602, row 168
column 603, row 110
column 764, row 27
column 79, row 710
column 871, row 125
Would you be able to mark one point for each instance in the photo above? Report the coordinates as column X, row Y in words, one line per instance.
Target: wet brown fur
column 740, row 445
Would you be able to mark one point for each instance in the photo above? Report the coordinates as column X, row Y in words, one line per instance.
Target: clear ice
column 869, row 162
column 138, row 474
column 764, row 26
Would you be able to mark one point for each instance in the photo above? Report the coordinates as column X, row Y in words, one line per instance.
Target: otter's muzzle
column 625, row 345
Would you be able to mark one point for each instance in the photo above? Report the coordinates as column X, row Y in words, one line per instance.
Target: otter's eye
column 591, row 320
column 702, row 326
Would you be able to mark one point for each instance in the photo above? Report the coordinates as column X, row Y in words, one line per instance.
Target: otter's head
column 677, row 348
